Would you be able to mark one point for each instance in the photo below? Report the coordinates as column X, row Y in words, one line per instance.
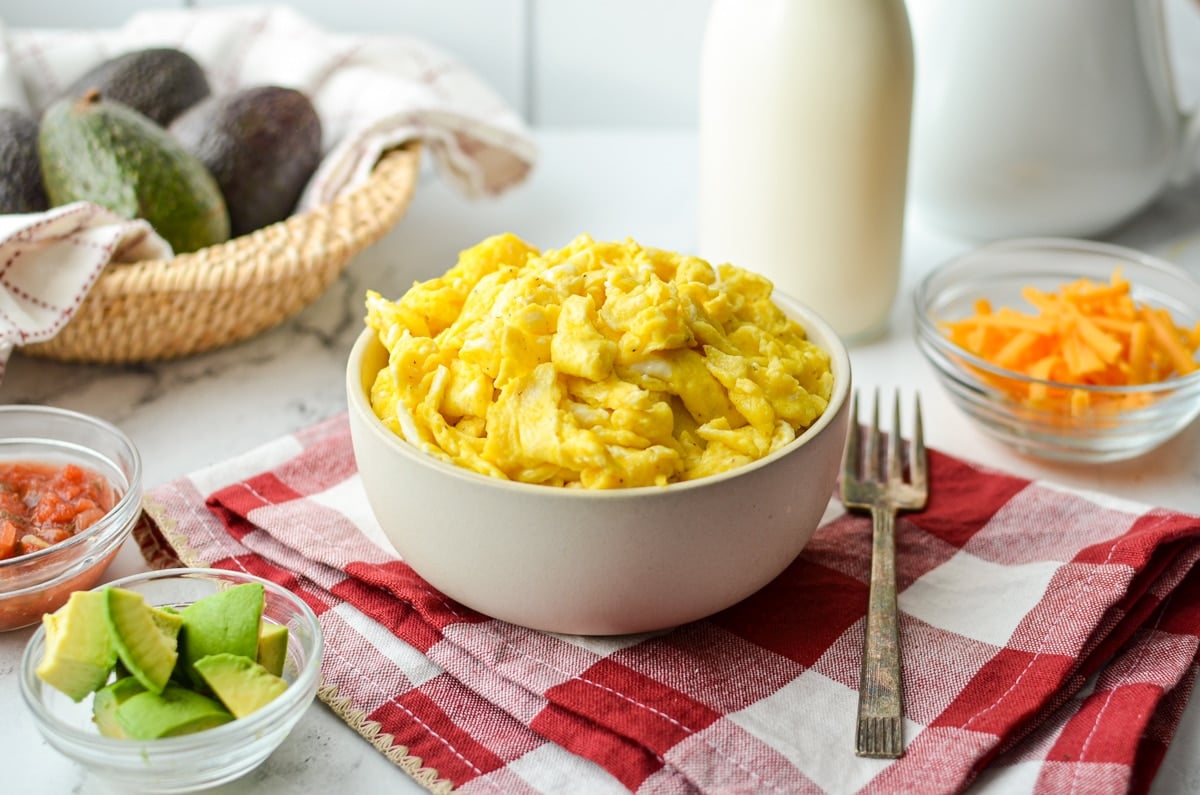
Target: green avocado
column 101, row 151
column 158, row 82
column 175, row 711
column 262, row 145
column 225, row 621
column 242, row 685
column 106, row 701
column 272, row 646
column 79, row 653
column 145, row 637
column 21, row 189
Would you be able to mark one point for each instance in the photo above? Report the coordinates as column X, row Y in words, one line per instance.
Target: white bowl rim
column 130, row 502
column 928, row 331
column 809, row 319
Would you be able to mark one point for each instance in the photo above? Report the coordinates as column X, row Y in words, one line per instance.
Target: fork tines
column 864, row 466
column 864, row 472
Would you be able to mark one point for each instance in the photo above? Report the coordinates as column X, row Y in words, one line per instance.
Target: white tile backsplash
column 615, row 63
column 487, row 35
column 558, row 62
column 74, row 13
column 1183, row 37
column 561, row 63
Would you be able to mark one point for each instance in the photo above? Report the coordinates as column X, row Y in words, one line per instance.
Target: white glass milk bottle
column 805, row 112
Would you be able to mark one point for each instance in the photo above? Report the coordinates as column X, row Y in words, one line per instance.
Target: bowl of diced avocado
column 173, row 680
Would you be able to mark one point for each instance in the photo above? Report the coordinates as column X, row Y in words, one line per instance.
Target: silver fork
column 883, row 493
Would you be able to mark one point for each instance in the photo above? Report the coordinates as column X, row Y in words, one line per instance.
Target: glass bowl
column 40, row 582
column 1085, row 423
column 193, row 761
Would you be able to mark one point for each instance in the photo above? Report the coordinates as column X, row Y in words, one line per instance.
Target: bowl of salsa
column 70, row 494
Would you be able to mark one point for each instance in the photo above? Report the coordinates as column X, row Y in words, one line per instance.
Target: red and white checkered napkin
column 1049, row 638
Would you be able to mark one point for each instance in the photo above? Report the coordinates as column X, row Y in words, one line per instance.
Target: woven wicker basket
column 162, row 309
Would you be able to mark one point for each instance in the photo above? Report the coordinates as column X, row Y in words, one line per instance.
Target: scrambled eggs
column 598, row 365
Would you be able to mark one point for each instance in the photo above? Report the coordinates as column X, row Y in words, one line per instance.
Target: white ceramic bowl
column 599, row 562
column 189, row 762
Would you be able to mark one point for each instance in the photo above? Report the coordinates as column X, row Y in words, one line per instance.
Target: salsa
column 43, row 504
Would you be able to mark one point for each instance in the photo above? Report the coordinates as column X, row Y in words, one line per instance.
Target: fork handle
column 879, row 717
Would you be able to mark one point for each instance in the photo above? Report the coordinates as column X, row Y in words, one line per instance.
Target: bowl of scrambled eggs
column 601, row 439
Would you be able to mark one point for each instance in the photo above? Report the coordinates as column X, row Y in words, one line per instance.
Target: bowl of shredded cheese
column 599, row 439
column 1065, row 349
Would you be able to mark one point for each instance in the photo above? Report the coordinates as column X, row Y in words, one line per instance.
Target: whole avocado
column 262, row 145
column 159, row 82
column 21, row 189
column 104, row 152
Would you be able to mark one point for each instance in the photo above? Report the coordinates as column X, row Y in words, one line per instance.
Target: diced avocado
column 141, row 634
column 104, row 152
column 241, row 684
column 226, row 621
column 175, row 711
column 168, row 620
column 167, row 625
column 106, row 701
column 272, row 646
column 79, row 653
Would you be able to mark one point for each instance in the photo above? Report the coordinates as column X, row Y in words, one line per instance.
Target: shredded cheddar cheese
column 1088, row 333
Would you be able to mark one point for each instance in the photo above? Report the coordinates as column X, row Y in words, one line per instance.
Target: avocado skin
column 262, row 144
column 159, row 82
column 21, row 189
column 104, row 152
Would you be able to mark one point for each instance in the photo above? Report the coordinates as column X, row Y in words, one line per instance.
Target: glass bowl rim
column 129, row 504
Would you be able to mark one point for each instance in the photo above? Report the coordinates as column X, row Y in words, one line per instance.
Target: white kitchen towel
column 372, row 92
column 48, row 262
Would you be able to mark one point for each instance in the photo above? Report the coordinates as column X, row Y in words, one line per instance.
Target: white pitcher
column 1031, row 117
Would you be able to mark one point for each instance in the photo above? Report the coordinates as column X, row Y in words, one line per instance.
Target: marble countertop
column 186, row 414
